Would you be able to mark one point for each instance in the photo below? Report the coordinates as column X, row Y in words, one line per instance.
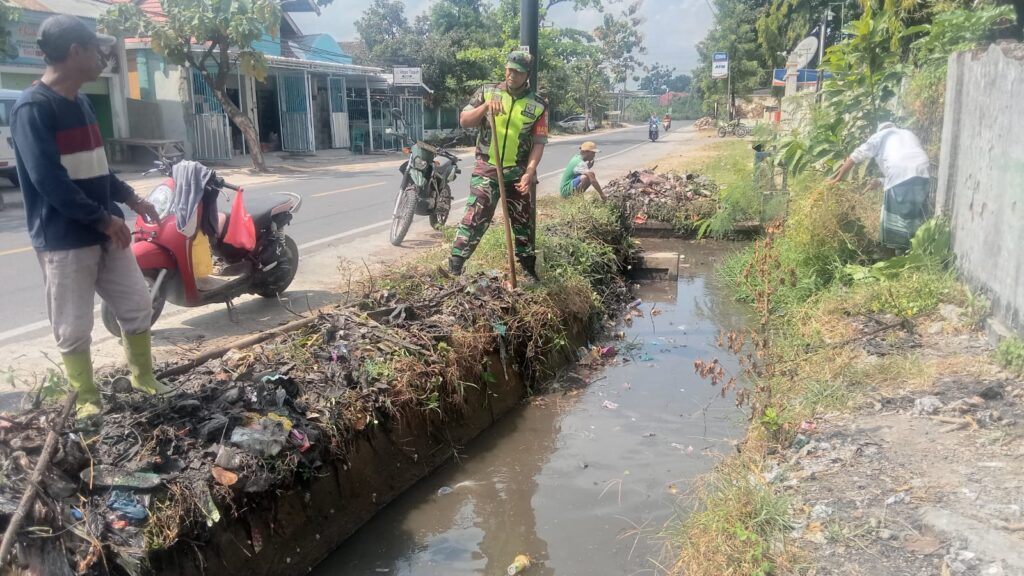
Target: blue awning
column 804, row 76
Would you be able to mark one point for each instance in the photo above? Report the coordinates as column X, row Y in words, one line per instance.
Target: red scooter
column 165, row 255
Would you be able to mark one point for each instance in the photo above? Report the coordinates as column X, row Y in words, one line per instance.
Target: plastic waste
column 299, row 439
column 444, row 490
column 800, row 441
column 227, row 458
column 681, row 448
column 340, row 350
column 609, row 405
column 280, row 418
column 635, row 303
column 105, row 476
column 519, row 565
column 266, row 437
column 609, row 351
column 127, row 506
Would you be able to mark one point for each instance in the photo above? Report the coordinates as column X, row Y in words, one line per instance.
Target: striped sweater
column 68, row 188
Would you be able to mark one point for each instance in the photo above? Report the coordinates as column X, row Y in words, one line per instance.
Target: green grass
column 733, row 166
column 814, row 363
column 738, row 199
column 1010, row 355
column 732, row 531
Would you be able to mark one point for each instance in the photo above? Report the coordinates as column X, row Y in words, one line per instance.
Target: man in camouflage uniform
column 521, row 121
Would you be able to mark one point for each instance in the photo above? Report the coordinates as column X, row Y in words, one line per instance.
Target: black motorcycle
column 652, row 131
column 426, row 182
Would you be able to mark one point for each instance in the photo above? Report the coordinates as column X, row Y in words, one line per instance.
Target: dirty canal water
column 581, row 480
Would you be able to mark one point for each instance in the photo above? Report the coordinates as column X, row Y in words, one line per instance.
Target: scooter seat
column 260, row 209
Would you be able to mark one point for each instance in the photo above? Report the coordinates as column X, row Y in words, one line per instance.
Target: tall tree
column 660, row 78
column 622, row 41
column 387, row 34
column 785, row 22
column 734, row 32
column 212, row 38
column 9, row 15
column 656, row 78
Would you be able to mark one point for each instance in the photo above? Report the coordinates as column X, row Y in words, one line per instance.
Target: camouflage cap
column 519, row 60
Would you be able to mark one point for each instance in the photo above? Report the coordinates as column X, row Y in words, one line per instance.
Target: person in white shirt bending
column 904, row 166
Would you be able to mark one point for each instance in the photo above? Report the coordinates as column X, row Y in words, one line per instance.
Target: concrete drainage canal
column 580, row 479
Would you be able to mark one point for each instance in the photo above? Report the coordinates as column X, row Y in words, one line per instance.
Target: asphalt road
column 337, row 206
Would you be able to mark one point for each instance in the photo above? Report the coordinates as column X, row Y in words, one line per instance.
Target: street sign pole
column 528, row 35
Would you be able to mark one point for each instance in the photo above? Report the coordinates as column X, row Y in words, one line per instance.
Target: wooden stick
column 253, row 340
column 37, row 475
column 504, row 201
column 948, row 420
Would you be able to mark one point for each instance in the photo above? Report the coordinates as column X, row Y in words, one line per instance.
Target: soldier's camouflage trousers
column 484, row 198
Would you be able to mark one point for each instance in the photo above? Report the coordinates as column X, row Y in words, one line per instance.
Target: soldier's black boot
column 455, row 264
column 529, row 264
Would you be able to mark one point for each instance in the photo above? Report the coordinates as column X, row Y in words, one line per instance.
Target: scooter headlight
column 160, row 198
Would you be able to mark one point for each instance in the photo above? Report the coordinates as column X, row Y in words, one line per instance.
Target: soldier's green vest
column 519, row 115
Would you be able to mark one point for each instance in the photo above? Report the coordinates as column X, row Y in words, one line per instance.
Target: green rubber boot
column 138, row 349
column 78, row 366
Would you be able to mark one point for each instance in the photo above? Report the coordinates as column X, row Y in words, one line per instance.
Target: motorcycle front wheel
column 439, row 216
column 405, row 208
column 110, row 321
column 722, row 132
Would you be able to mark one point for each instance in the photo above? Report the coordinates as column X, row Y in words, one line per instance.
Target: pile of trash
column 161, row 470
column 705, row 123
column 682, row 200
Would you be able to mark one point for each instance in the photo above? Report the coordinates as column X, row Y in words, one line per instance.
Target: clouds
column 671, row 30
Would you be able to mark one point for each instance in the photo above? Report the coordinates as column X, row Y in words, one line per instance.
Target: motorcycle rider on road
column 521, row 120
column 79, row 234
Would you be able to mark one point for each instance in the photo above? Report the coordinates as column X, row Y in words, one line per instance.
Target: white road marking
column 14, row 332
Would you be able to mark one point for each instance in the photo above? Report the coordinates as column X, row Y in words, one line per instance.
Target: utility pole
column 728, row 93
column 529, row 23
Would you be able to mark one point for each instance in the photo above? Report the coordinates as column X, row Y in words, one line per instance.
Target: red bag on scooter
column 241, row 229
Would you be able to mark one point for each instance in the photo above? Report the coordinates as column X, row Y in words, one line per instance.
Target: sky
column 672, row 28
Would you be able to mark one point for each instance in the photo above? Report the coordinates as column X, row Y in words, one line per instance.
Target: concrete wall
column 172, row 96
column 981, row 174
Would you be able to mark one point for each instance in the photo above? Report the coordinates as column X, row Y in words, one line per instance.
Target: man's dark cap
column 58, row 33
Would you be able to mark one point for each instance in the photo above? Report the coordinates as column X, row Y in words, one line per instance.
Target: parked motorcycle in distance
column 426, row 182
column 734, row 128
column 165, row 254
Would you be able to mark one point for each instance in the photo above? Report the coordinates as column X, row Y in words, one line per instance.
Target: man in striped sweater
column 78, row 231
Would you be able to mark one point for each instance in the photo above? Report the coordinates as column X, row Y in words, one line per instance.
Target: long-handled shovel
column 509, row 242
